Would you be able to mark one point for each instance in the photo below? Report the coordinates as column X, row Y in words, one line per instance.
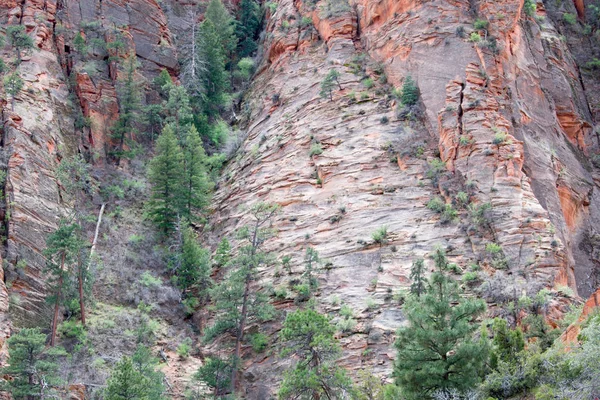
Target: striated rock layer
column 507, row 117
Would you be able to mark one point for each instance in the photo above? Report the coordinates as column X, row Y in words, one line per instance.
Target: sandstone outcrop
column 504, row 113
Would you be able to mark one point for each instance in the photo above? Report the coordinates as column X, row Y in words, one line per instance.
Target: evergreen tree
column 410, row 92
column 163, row 83
column 329, row 83
column 216, row 373
column 417, row 277
column 437, row 351
column 309, row 336
column 80, row 45
column 214, row 80
column 19, row 39
column 153, row 118
column 33, row 368
column 223, row 253
column 196, row 184
column 62, row 251
column 73, row 175
column 135, row 378
column 179, row 112
column 311, row 260
column 13, row 85
column 165, row 174
column 248, row 23
column 219, row 17
column 507, row 343
column 145, row 364
column 195, row 270
column 129, row 107
column 237, row 300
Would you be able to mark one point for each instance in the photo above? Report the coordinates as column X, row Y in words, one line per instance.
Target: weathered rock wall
column 36, row 134
column 509, row 120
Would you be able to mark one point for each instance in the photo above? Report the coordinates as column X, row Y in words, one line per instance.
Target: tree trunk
column 240, row 334
column 81, row 300
column 57, row 305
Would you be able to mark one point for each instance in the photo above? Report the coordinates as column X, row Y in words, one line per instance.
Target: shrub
column 529, row 7
column 475, row 37
column 380, row 235
column 462, row 199
column 184, row 348
column 368, row 83
column 480, row 24
column 436, row 168
column 316, row 149
column 594, row 64
column 470, row 276
column 346, row 324
column 335, row 300
column 280, row 292
column 346, row 311
column 460, row 31
column 436, row 204
column 449, row 214
column 259, row 342
column 569, row 18
column 148, row 280
column 334, row 8
column 500, row 138
column 73, row 329
column 497, row 259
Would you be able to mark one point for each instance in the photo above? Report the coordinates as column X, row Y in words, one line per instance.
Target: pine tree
column 309, row 336
column 437, row 351
column 163, row 83
column 129, row 107
column 329, row 83
column 33, row 368
column 214, row 80
column 223, row 253
column 216, row 373
column 248, row 23
column 80, row 45
column 61, row 253
column 195, row 270
column 179, row 112
column 237, row 299
column 145, row 364
column 166, row 177
column 311, row 260
column 19, row 39
column 135, row 378
column 507, row 343
column 417, row 277
column 219, row 17
column 410, row 92
column 196, row 184
column 13, row 85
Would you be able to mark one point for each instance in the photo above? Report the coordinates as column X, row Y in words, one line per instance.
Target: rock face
column 507, row 115
column 37, row 133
